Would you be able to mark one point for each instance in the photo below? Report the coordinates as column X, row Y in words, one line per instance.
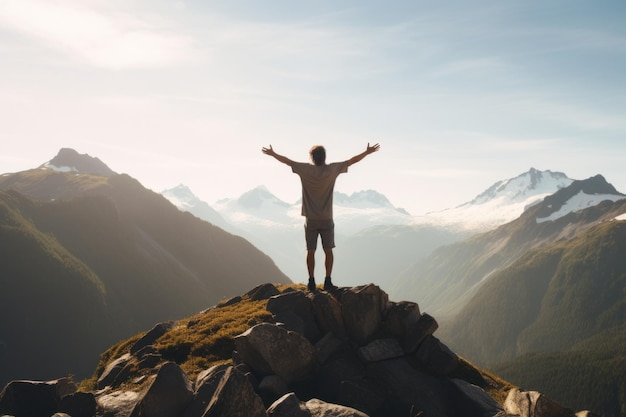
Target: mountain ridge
column 154, row 261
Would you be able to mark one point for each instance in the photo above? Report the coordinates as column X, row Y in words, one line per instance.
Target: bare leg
column 328, row 261
column 310, row 262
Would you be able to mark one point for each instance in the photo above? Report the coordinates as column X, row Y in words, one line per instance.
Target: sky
column 459, row 94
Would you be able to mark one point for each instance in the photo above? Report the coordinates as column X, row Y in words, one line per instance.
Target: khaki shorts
column 324, row 228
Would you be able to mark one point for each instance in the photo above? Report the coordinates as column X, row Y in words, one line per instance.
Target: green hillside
column 556, row 314
column 595, row 378
column 50, row 301
column 143, row 260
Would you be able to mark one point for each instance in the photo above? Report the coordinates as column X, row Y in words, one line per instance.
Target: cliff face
column 287, row 352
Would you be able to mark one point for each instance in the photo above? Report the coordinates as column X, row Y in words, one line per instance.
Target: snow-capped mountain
column 352, row 213
column 68, row 160
column 182, row 197
column 501, row 203
column 579, row 196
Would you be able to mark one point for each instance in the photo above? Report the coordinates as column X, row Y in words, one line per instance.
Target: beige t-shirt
column 318, row 183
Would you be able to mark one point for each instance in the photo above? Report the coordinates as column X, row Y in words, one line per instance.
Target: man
column 318, row 183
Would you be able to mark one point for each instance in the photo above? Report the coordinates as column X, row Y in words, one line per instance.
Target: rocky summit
column 352, row 352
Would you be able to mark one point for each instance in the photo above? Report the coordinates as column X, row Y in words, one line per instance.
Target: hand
column 373, row 148
column 268, row 151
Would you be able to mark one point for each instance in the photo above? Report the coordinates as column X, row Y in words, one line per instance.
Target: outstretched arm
column 367, row 151
column 269, row 151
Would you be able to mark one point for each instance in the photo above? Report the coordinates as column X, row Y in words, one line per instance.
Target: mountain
column 446, row 280
column 557, row 310
column 501, row 203
column 123, row 258
column 68, row 160
column 182, row 197
column 375, row 240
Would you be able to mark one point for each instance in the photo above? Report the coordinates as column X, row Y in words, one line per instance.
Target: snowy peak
column 181, row 196
column 68, row 160
column 524, row 186
column 258, row 197
column 578, row 196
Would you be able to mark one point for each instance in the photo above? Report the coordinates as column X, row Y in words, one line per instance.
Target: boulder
column 168, row 395
column 436, row 357
column 288, row 406
column 319, row 408
column 362, row 310
column 295, row 310
column 269, row 349
column 473, row 400
column 400, row 317
column 206, row 384
column 410, row 391
column 363, row 395
column 112, row 370
column 78, row 404
column 327, row 346
column 263, row 292
column 380, row 349
column 229, row 302
column 271, row 388
column 235, row 397
column 34, row 398
column 418, row 331
column 117, row 403
column 533, row 404
column 328, row 314
column 151, row 336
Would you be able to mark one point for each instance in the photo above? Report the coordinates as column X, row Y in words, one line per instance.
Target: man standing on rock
column 318, row 183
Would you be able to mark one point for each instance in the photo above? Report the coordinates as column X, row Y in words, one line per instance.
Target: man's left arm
column 367, row 151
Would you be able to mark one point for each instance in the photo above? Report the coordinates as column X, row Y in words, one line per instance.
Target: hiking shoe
column 311, row 285
column 328, row 285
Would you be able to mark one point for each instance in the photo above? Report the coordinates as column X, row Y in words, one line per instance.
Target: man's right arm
column 269, row 151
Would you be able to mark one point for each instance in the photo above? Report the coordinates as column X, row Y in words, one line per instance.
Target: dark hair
column 318, row 155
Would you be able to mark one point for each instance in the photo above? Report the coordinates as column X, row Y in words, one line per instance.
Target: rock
column 327, row 346
column 285, row 306
column 418, row 331
column 209, row 373
column 319, row 408
column 34, row 398
column 272, row 387
column 380, row 349
column 362, row 310
column 328, row 314
column 410, row 391
column 474, row 401
column 78, row 404
column 400, row 318
column 168, row 395
column 235, row 397
column 288, row 406
column 263, row 292
column 437, row 357
column 151, row 336
column 330, row 376
column 269, row 349
column 586, row 413
column 206, row 384
column 117, row 403
column 363, row 395
column 112, row 370
column 229, row 302
column 533, row 404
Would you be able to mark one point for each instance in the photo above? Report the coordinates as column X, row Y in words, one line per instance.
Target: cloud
column 114, row 40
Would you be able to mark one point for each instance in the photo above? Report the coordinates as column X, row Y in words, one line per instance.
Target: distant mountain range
column 85, row 249
column 375, row 240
